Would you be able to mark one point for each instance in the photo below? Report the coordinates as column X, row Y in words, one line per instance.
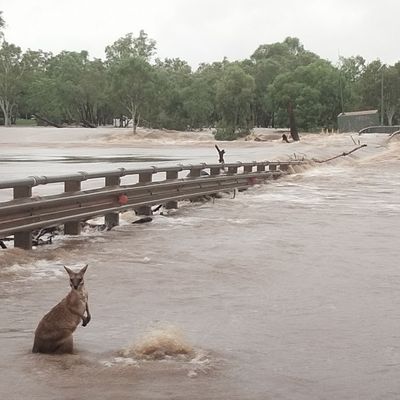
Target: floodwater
column 289, row 290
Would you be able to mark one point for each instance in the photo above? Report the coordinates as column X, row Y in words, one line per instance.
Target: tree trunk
column 7, row 121
column 390, row 114
column 132, row 107
column 5, row 107
column 134, row 114
column 134, row 122
column 292, row 123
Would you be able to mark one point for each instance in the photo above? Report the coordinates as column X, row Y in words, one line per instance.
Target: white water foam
column 163, row 345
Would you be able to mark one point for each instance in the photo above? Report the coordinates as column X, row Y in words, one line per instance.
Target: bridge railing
column 380, row 129
column 25, row 213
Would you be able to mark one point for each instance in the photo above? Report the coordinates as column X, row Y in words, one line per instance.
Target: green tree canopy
column 132, row 85
column 235, row 95
column 313, row 91
column 130, row 46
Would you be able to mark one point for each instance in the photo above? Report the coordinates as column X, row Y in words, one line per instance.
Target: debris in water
column 142, row 220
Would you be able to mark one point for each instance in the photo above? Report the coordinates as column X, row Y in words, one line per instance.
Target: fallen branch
column 344, row 154
column 157, row 208
column 47, row 121
column 37, row 236
column 394, row 134
column 86, row 124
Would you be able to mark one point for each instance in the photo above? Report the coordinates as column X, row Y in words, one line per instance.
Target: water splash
column 161, row 344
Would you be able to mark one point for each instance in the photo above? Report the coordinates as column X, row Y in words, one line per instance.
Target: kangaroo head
column 76, row 278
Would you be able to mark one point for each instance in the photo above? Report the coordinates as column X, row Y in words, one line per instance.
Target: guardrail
column 26, row 213
column 389, row 129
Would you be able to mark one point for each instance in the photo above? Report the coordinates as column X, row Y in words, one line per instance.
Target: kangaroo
column 54, row 332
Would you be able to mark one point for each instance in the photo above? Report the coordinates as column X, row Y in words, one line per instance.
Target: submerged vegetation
column 131, row 84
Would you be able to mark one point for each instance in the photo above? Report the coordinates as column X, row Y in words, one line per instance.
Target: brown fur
column 54, row 332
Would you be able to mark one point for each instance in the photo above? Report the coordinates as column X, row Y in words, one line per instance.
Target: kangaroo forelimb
column 86, row 320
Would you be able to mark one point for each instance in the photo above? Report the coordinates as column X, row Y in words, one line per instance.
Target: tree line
column 132, row 84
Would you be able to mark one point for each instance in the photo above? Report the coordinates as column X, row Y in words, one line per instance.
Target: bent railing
column 389, row 129
column 26, row 213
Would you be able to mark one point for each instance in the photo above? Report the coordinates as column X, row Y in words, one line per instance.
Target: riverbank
column 111, row 135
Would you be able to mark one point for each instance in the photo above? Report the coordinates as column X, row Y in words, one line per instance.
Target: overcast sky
column 207, row 30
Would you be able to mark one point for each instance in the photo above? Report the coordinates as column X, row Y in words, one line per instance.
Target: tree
column 198, row 103
column 11, row 73
column 369, row 86
column 174, row 77
column 210, row 75
column 68, row 87
column 269, row 61
column 129, row 46
column 264, row 73
column 91, row 86
column 34, row 64
column 290, row 54
column 132, row 84
column 313, row 92
column 235, row 94
column 131, row 75
column 350, row 69
column 391, row 90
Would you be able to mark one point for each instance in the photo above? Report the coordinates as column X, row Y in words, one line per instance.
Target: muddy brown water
column 290, row 290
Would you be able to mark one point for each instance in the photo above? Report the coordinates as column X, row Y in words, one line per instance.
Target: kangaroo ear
column 83, row 270
column 70, row 272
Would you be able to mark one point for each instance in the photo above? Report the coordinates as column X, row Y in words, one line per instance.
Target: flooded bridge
column 120, row 190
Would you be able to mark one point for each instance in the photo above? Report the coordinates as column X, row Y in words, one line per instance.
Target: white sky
column 207, row 30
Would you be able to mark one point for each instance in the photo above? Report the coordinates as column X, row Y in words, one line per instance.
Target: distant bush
column 229, row 133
